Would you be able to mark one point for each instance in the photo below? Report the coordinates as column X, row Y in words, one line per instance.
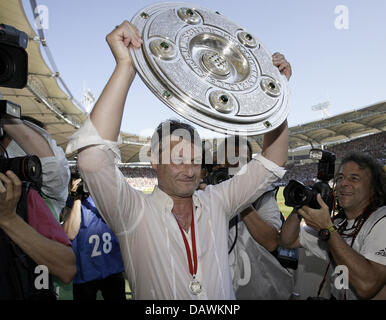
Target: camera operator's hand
column 76, row 190
column 317, row 218
column 10, row 192
column 121, row 38
column 75, row 184
column 202, row 186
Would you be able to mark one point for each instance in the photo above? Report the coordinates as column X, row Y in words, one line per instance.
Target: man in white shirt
column 355, row 239
column 174, row 241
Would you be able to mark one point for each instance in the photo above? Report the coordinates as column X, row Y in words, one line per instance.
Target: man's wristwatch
column 324, row 234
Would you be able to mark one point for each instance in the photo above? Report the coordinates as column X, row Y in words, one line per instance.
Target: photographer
column 29, row 137
column 29, row 233
column 99, row 262
column 355, row 237
column 48, row 246
column 253, row 234
column 42, row 239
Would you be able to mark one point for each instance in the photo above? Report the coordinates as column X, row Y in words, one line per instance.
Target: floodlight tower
column 323, row 107
column 88, row 99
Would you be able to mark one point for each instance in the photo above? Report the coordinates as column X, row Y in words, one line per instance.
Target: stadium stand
column 374, row 145
column 305, row 171
column 44, row 99
column 140, row 178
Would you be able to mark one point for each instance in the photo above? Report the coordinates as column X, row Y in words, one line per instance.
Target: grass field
column 280, row 201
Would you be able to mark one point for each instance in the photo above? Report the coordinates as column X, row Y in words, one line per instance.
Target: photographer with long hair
column 355, row 238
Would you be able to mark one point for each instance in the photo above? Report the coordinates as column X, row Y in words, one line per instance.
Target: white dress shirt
column 152, row 247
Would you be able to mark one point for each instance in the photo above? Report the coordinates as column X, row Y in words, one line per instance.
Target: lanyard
column 192, row 264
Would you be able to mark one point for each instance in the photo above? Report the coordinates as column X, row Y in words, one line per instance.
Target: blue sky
column 345, row 66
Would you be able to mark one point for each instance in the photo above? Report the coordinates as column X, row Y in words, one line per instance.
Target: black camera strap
column 234, row 222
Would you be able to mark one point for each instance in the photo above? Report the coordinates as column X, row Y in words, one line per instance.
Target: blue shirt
column 96, row 248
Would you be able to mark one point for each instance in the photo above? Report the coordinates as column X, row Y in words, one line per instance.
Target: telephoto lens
column 27, row 168
column 217, row 176
column 296, row 194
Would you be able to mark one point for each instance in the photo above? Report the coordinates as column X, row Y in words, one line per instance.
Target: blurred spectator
column 98, row 257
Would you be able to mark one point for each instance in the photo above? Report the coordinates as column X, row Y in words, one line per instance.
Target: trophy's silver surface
column 209, row 70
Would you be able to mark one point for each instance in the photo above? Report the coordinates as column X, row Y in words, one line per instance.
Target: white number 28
column 106, row 247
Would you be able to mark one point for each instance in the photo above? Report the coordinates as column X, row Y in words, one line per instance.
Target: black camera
column 296, row 194
column 217, row 176
column 13, row 57
column 27, row 168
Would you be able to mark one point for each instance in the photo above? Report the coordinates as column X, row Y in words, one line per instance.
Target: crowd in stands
column 374, row 145
column 144, row 178
column 140, row 178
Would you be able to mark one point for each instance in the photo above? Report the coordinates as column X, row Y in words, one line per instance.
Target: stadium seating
column 374, row 145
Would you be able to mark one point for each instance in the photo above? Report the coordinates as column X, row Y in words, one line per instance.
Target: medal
column 195, row 286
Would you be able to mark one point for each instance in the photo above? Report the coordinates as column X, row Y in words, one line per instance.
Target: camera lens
column 27, row 168
column 298, row 194
column 217, row 176
column 32, row 168
column 220, row 177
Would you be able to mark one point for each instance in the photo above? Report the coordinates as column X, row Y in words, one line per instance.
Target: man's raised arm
column 106, row 115
column 275, row 145
column 97, row 140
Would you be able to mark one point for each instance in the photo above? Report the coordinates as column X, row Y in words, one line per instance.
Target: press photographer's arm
column 58, row 258
column 27, row 138
column 366, row 276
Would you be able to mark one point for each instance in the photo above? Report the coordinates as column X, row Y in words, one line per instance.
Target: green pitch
column 280, row 201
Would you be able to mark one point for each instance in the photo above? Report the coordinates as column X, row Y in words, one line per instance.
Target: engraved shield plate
column 209, row 70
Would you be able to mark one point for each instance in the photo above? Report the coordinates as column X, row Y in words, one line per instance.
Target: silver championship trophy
column 209, row 70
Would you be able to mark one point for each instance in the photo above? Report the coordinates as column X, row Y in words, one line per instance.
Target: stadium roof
column 339, row 128
column 46, row 101
column 43, row 98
